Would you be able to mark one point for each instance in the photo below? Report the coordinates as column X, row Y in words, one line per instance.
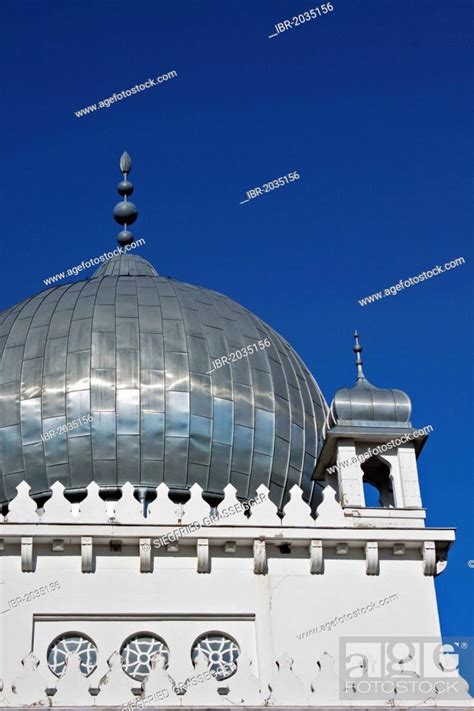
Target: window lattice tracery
column 62, row 646
column 137, row 653
column 220, row 651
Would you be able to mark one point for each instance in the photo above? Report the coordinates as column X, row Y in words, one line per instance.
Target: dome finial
column 365, row 405
column 125, row 212
column 125, row 164
column 358, row 350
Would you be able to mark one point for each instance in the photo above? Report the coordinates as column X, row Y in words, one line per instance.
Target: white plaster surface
column 287, row 621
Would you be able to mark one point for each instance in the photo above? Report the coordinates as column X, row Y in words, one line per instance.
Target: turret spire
column 365, row 405
column 358, row 350
column 125, row 212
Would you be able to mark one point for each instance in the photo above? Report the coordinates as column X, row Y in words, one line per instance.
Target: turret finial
column 125, row 212
column 358, row 350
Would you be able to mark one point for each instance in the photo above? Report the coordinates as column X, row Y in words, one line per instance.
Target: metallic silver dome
column 134, row 350
column 365, row 405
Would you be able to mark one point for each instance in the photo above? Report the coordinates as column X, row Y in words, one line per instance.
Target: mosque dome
column 135, row 361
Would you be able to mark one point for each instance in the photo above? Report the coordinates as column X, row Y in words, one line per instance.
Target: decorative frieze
column 288, row 543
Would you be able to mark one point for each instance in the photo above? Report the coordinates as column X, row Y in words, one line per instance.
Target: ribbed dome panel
column 134, row 350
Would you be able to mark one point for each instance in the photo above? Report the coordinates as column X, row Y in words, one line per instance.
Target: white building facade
column 199, row 536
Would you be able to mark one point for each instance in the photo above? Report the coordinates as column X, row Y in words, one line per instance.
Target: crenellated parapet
column 94, row 526
column 202, row 686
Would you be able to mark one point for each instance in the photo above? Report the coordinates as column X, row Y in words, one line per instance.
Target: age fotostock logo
column 408, row 668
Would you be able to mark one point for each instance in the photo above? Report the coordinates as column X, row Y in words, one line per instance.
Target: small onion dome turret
column 365, row 416
column 365, row 405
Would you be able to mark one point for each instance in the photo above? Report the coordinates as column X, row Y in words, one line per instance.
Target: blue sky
column 371, row 104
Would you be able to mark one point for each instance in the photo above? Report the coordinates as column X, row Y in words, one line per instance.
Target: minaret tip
column 125, row 212
column 125, row 163
column 358, row 350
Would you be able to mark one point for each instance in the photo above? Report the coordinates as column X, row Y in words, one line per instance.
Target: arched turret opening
column 377, row 482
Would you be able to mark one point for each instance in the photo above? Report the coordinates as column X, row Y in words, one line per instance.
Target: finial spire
column 125, row 212
column 358, row 350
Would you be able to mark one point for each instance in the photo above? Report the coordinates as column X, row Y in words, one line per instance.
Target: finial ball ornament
column 357, row 347
column 125, row 213
column 125, row 187
column 124, row 237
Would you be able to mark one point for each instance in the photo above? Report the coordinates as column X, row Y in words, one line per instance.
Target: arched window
column 378, row 488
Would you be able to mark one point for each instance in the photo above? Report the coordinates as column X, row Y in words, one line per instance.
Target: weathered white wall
column 264, row 613
column 253, row 591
